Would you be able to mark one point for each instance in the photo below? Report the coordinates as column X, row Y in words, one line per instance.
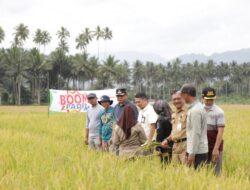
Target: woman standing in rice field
column 107, row 121
column 163, row 129
column 129, row 134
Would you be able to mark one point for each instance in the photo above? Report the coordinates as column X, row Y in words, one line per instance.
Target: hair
column 175, row 92
column 163, row 109
column 188, row 89
column 141, row 95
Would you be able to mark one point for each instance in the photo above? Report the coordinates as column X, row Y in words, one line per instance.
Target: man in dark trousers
column 215, row 129
column 197, row 143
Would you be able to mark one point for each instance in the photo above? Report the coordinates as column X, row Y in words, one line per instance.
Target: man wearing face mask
column 215, row 128
column 178, row 134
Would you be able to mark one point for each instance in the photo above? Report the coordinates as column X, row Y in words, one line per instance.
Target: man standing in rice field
column 178, row 134
column 122, row 98
column 197, row 143
column 215, row 129
column 93, row 123
column 147, row 115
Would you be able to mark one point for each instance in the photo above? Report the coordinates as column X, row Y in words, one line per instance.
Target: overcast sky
column 168, row 28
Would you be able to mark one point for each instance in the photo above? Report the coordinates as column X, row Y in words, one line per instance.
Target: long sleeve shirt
column 197, row 142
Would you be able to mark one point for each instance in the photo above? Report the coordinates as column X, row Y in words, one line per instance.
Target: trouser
column 94, row 142
column 179, row 153
column 200, row 160
column 107, row 146
column 217, row 164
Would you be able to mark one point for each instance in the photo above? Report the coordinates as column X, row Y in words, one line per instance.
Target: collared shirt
column 118, row 110
column 215, row 120
column 146, row 117
column 92, row 121
column 179, row 119
column 197, row 142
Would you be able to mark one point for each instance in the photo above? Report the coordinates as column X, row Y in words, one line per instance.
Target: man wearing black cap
column 196, row 127
column 93, row 123
column 215, row 128
column 122, row 98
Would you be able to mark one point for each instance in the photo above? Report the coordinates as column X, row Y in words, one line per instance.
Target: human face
column 121, row 98
column 92, row 101
column 177, row 100
column 105, row 104
column 141, row 103
column 209, row 102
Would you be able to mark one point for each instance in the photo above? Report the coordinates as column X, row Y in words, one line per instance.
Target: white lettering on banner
column 75, row 101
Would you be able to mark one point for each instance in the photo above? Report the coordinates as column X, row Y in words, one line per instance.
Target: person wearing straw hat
column 107, row 122
column 215, row 129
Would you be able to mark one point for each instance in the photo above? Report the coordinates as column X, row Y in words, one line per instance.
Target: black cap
column 209, row 93
column 91, row 95
column 105, row 98
column 121, row 91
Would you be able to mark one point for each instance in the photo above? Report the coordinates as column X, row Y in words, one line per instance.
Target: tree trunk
column 38, row 91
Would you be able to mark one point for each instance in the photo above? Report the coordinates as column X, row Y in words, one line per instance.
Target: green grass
column 41, row 152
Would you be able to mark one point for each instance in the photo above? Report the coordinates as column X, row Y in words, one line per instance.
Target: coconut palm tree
column 46, row 38
column 81, row 42
column 63, row 35
column 36, row 61
column 107, row 35
column 38, row 38
column 107, row 72
column 98, row 33
column 20, row 36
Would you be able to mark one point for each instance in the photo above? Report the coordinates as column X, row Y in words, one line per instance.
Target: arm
column 217, row 143
column 87, row 136
column 100, row 124
column 152, row 132
column 142, row 136
column 115, row 137
column 196, row 118
column 87, row 130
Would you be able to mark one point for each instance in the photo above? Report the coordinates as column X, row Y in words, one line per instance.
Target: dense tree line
column 26, row 75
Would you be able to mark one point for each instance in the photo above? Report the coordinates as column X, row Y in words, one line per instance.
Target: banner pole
column 49, row 105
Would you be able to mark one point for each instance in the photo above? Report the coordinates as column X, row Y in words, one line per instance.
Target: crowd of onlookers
column 192, row 134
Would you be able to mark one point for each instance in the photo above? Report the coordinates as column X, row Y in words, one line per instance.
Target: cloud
column 165, row 27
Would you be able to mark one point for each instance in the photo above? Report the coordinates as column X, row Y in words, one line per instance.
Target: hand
column 164, row 144
column 190, row 160
column 215, row 155
column 86, row 141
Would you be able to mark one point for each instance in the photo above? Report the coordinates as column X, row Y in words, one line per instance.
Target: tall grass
column 41, row 152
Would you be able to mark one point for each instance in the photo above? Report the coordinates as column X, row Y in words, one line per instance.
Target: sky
column 164, row 27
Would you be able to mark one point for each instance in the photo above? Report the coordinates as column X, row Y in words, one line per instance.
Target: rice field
column 41, row 152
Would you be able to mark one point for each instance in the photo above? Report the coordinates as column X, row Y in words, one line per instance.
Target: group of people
column 192, row 134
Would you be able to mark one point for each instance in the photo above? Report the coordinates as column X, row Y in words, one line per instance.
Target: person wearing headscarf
column 128, row 134
column 163, row 129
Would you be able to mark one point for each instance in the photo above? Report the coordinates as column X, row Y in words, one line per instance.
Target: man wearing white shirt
column 147, row 116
